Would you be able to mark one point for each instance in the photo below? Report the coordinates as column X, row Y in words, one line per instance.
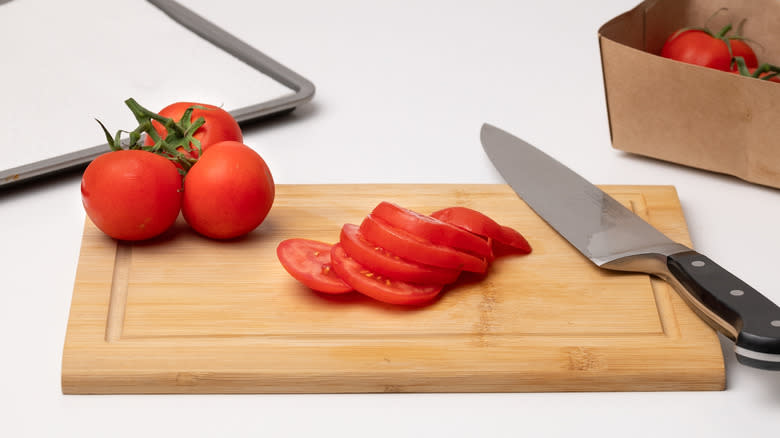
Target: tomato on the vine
column 702, row 47
column 228, row 192
column 219, row 125
column 131, row 194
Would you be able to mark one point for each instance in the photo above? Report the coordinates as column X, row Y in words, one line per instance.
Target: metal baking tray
column 302, row 91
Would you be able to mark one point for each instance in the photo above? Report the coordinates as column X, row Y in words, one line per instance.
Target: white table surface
column 402, row 90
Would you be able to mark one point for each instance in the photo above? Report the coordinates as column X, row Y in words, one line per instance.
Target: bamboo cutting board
column 185, row 314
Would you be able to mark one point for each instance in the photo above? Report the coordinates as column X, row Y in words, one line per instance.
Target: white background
column 402, row 90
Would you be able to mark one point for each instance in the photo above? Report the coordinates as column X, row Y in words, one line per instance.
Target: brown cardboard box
column 688, row 114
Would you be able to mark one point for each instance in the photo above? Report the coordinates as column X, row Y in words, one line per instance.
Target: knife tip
column 485, row 131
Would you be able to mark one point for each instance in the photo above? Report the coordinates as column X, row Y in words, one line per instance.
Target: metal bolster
column 654, row 262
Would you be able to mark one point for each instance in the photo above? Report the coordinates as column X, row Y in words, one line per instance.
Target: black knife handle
column 755, row 319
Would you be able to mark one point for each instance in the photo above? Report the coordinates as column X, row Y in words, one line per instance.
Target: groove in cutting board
column 185, row 314
column 119, row 285
column 665, row 309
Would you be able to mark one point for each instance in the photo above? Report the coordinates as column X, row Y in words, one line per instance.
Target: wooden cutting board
column 185, row 314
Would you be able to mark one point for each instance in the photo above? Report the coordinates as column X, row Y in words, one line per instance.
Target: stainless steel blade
column 600, row 227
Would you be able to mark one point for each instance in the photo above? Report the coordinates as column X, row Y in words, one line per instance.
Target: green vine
column 179, row 137
column 764, row 71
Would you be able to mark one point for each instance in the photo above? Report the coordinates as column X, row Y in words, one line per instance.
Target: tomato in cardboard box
column 687, row 114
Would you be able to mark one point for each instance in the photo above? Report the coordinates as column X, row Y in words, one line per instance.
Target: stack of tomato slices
column 398, row 256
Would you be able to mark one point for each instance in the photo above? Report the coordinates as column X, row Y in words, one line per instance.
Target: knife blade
column 613, row 237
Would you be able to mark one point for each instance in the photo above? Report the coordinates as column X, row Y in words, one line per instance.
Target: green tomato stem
column 143, row 115
column 180, row 135
column 763, row 69
column 726, row 29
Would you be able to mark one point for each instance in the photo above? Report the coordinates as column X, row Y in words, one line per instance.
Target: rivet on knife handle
column 754, row 319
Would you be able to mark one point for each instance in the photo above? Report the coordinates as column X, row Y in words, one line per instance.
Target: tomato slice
column 482, row 225
column 417, row 249
column 387, row 264
column 308, row 261
column 431, row 229
column 378, row 287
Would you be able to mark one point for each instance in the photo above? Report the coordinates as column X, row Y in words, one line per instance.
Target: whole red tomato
column 219, row 124
column 702, row 48
column 131, row 194
column 228, row 192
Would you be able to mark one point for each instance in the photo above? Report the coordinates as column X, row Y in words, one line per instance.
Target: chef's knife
column 613, row 237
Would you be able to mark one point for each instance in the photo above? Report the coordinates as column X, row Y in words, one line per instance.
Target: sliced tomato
column 492, row 244
column 308, row 261
column 387, row 264
column 378, row 287
column 431, row 229
column 482, row 225
column 414, row 248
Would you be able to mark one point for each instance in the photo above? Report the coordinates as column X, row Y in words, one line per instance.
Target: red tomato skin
column 741, row 48
column 417, row 249
column 131, row 194
column 379, row 288
column 228, row 192
column 431, row 229
column 219, row 125
column 482, row 225
column 699, row 48
column 309, row 262
column 382, row 262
